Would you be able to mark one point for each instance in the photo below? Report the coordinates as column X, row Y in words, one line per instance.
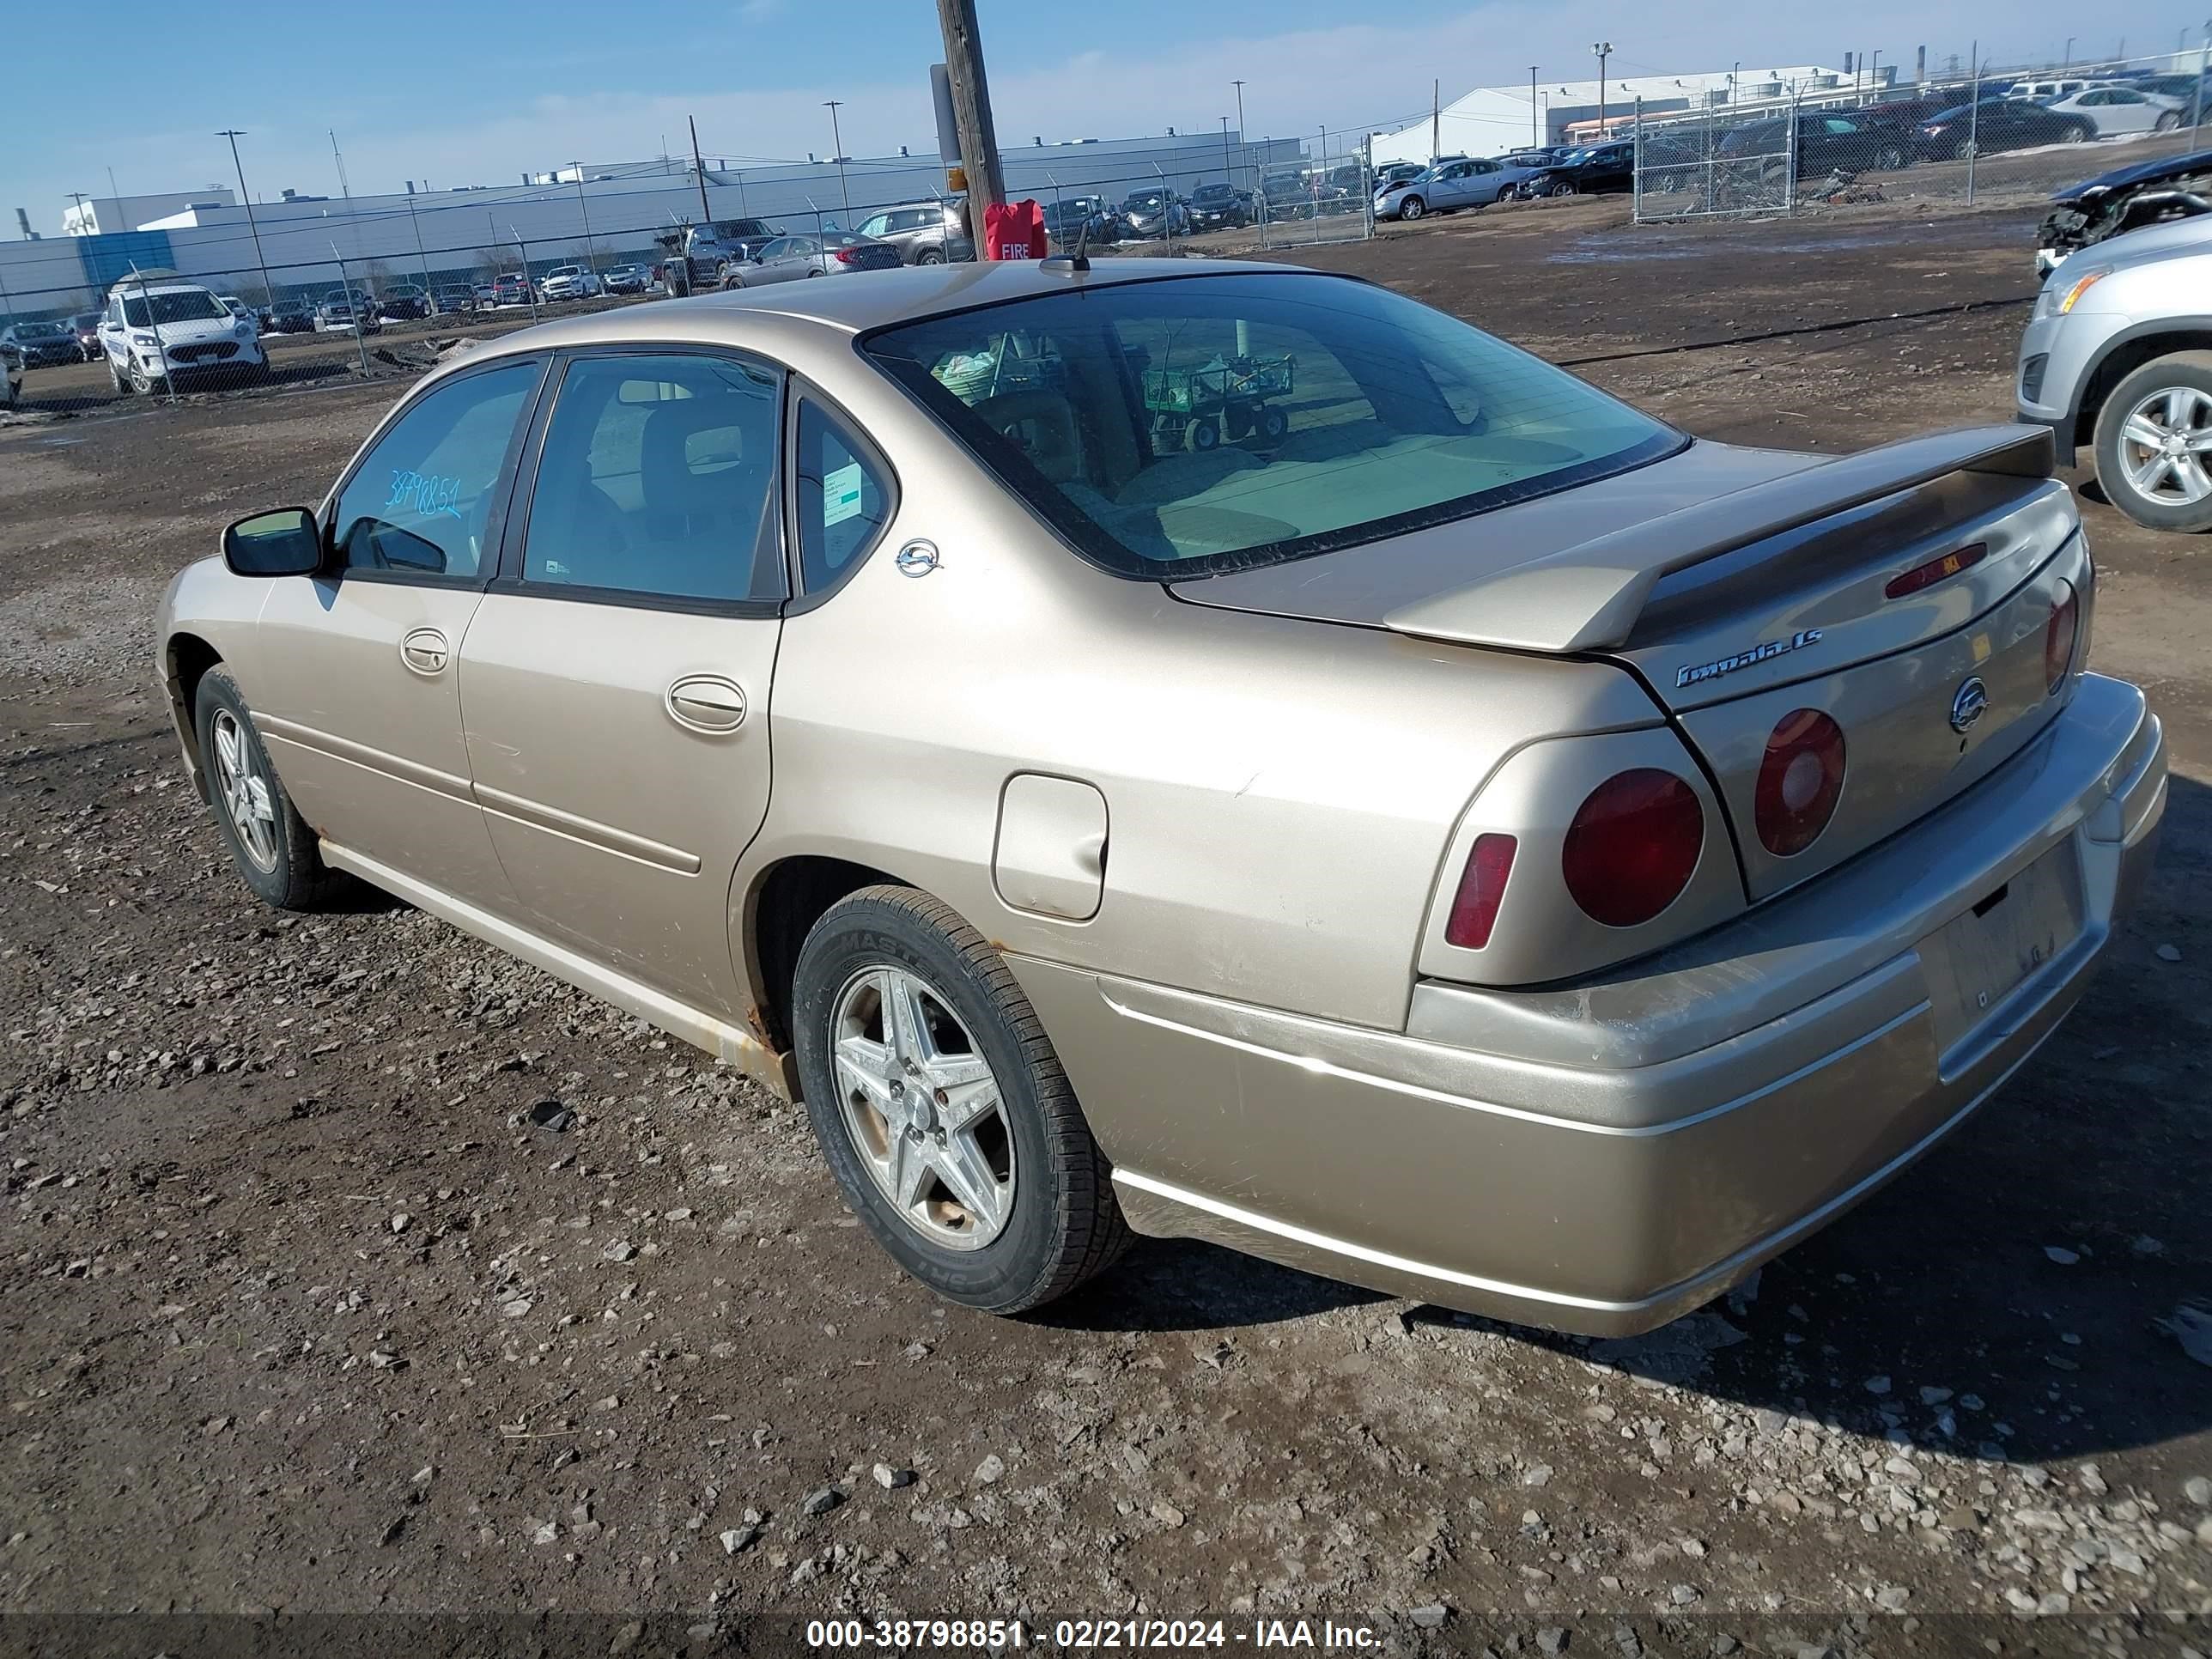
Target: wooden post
column 971, row 111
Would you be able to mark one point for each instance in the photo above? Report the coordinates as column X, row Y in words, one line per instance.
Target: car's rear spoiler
column 1587, row 598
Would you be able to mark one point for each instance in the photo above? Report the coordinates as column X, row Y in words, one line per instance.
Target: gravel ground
column 303, row 1312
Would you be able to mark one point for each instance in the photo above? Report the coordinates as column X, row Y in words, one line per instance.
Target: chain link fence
column 141, row 315
column 1826, row 141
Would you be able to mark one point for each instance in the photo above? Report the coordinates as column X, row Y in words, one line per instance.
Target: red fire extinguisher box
column 1014, row 230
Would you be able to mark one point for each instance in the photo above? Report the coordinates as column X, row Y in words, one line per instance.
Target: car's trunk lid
column 1740, row 587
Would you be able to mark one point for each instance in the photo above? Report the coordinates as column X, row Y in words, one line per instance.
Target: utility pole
column 699, row 172
column 2066, row 59
column 1435, row 121
column 245, row 196
column 837, row 137
column 1604, row 49
column 1226, row 178
column 1535, row 136
column 345, row 189
column 429, row 301
column 971, row 109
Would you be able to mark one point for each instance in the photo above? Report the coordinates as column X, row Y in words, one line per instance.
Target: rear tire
column 2166, row 123
column 929, row 256
column 1059, row 1224
column 1889, row 159
column 275, row 852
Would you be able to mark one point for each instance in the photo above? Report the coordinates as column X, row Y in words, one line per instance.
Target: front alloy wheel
column 2153, row 443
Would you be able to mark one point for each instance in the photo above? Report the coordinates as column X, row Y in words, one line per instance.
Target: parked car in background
column 2186, row 90
column 1827, row 142
column 1541, row 156
column 2113, row 360
column 1660, row 844
column 832, row 253
column 1396, row 173
column 158, row 332
column 403, row 302
column 238, row 307
column 1595, row 170
column 512, row 288
column 346, row 313
column 85, row 326
column 924, row 233
column 1220, row 206
column 2122, row 112
column 2012, row 124
column 1153, row 213
column 41, row 345
column 2126, row 199
column 294, row 316
column 569, row 282
column 452, row 299
column 624, row 279
column 1090, row 219
column 2037, row 91
column 1448, row 189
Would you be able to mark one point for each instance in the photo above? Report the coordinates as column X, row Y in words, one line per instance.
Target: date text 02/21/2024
column 1008, row 1635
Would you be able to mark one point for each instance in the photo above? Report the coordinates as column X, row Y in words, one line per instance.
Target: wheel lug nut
column 943, row 1099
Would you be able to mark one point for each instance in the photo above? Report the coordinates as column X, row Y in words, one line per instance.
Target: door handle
column 706, row 703
column 424, row 650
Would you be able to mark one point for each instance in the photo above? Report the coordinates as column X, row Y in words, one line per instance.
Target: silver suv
column 924, row 233
column 2118, row 356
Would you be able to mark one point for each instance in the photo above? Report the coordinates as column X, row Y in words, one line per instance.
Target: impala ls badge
column 1969, row 703
column 1757, row 653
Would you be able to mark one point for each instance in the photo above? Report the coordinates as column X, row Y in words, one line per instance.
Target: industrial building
column 603, row 214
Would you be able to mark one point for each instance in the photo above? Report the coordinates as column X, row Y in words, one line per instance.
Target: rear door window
column 843, row 497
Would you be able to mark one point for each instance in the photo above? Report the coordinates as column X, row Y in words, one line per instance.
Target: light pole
column 247, row 197
column 1226, row 178
column 584, row 208
column 1533, row 137
column 429, row 303
column 1242, row 136
column 1603, row 49
column 838, row 139
column 2066, row 60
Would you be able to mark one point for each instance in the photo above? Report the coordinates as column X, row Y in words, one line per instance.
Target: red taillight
column 1633, row 846
column 1800, row 781
column 1935, row 570
column 846, row 255
column 2059, row 635
column 1481, row 885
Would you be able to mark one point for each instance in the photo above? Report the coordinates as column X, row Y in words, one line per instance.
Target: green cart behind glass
column 1220, row 399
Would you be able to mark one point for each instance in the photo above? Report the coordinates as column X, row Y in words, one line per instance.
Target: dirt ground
column 299, row 1316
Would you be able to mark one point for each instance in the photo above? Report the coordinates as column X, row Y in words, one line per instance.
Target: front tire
column 2168, row 122
column 115, row 378
column 1411, row 207
column 2153, row 443
column 273, row 849
column 946, row 1117
column 141, row 381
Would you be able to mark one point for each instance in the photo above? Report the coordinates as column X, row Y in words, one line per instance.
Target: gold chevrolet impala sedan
column 1221, row 751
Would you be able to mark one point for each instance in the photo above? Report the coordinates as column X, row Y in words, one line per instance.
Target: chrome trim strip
column 361, row 754
column 552, row 821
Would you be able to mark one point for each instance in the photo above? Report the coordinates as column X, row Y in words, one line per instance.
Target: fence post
column 360, row 322
column 529, row 285
column 1974, row 120
column 1367, row 188
column 168, row 378
column 1636, row 165
column 1790, row 155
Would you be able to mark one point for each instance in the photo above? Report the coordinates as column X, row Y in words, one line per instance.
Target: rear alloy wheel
column 1411, row 207
column 1889, row 158
column 942, row 1108
column 2076, row 135
column 2153, row 443
column 929, row 256
column 2168, row 122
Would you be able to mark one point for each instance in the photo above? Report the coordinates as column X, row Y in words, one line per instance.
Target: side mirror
column 285, row 542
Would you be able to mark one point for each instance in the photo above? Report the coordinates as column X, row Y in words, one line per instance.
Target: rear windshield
column 1178, row 427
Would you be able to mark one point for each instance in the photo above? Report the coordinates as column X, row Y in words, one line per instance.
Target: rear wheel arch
column 784, row 904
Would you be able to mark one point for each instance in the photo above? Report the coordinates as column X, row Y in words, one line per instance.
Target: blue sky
column 475, row 94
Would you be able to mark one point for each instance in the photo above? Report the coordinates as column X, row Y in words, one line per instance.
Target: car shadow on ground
column 2021, row 1296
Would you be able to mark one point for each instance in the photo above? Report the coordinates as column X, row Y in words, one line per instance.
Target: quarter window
column 659, row 478
column 420, row 501
column 843, row 500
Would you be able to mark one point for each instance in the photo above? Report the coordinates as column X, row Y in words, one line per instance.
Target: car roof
column 871, row 300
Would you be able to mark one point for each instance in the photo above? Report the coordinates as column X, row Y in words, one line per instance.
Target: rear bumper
column 1604, row 1157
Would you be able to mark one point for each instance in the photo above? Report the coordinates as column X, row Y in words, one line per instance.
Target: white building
column 99, row 215
column 1490, row 120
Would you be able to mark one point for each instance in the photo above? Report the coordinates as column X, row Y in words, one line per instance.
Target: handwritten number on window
column 420, row 494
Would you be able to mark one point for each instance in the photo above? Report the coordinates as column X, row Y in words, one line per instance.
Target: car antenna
column 1072, row 262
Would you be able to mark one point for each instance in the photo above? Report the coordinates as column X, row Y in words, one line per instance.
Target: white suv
column 568, row 282
column 162, row 331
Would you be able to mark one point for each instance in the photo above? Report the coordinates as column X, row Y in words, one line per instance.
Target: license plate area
column 1979, row 960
